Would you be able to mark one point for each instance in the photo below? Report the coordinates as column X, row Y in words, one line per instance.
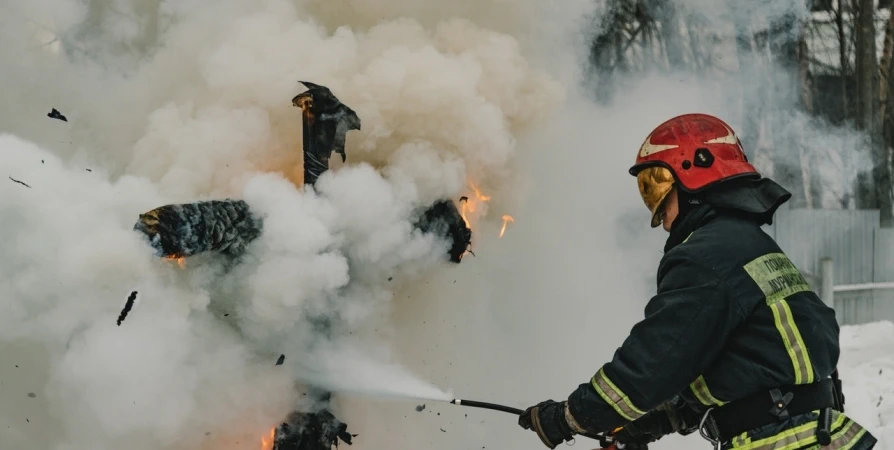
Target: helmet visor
column 655, row 183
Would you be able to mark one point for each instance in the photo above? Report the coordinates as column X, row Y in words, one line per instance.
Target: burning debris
column 445, row 220
column 228, row 226
column 325, row 123
column 309, row 431
column 178, row 231
column 127, row 307
column 506, row 219
column 20, row 182
column 55, row 114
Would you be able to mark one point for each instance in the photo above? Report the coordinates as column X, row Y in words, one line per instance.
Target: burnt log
column 444, row 220
column 177, row 231
column 228, row 226
column 310, row 431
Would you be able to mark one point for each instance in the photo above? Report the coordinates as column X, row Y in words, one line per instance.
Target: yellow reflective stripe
column 838, row 420
column 798, row 347
column 794, row 345
column 778, row 278
column 700, row 389
column 615, row 397
column 847, row 437
column 784, row 439
column 845, row 434
column 741, row 439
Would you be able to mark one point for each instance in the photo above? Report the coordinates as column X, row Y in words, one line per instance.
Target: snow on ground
column 866, row 368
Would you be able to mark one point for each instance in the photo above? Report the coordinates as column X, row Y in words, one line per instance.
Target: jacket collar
column 687, row 224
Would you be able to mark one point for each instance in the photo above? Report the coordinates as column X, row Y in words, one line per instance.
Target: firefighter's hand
column 547, row 419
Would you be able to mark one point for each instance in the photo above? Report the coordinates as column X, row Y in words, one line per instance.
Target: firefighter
column 735, row 345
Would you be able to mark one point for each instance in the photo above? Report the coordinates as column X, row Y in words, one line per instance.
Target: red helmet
column 693, row 150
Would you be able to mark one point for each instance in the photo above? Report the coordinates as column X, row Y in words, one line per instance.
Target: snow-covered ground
column 866, row 367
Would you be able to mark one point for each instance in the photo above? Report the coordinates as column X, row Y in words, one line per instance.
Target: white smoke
column 166, row 104
column 182, row 101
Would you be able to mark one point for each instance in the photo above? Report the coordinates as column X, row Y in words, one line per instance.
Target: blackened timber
column 228, row 226
column 444, row 220
column 176, row 231
column 310, row 431
column 325, row 123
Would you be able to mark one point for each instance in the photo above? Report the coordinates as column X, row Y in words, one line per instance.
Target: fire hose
column 606, row 442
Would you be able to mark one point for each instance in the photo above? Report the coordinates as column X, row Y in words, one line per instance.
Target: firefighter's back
column 788, row 341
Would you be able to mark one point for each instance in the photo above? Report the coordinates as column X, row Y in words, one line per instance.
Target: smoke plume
column 172, row 102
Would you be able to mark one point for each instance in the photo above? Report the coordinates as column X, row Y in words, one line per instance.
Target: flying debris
column 443, row 219
column 177, row 231
column 280, row 360
column 55, row 114
column 20, row 182
column 127, row 307
column 310, row 431
column 506, row 220
column 325, row 123
column 420, row 408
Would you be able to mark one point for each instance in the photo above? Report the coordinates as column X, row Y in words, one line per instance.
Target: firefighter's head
column 683, row 157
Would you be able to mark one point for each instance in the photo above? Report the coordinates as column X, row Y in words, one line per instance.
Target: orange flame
column 181, row 260
column 463, row 211
column 506, row 219
column 478, row 194
column 267, row 441
column 469, row 205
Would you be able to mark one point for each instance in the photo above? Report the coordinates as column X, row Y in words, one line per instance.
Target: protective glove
column 547, row 419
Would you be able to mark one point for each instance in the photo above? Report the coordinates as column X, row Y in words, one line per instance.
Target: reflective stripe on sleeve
column 778, row 278
column 615, row 397
column 703, row 394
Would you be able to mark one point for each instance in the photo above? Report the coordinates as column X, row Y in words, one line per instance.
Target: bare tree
column 842, row 56
column 886, row 105
column 875, row 191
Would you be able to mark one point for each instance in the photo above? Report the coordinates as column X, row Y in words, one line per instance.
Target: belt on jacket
column 722, row 423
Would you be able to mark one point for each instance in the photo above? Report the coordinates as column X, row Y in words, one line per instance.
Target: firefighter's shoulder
column 728, row 244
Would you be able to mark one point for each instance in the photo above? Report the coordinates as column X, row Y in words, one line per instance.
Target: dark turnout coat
column 732, row 317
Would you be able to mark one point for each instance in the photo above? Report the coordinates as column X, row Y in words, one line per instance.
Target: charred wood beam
column 325, row 121
column 177, row 231
column 310, row 431
column 228, row 226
